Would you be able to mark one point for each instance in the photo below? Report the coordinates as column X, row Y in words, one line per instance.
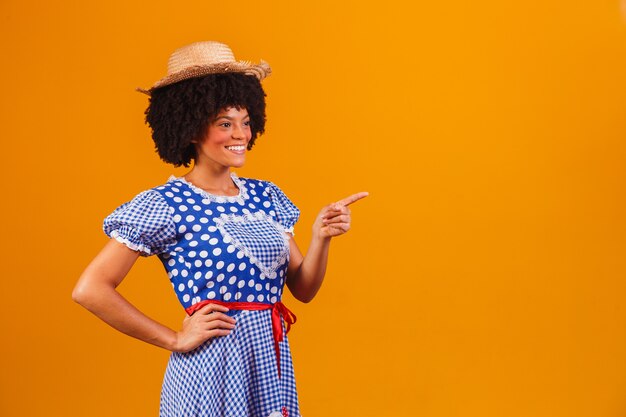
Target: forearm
column 306, row 274
column 307, row 279
column 110, row 306
column 96, row 291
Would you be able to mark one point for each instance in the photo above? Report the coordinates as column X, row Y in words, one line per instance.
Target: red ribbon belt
column 278, row 309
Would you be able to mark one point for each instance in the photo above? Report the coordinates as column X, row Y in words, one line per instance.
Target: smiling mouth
column 237, row 148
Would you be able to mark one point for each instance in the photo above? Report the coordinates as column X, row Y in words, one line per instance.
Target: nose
column 239, row 132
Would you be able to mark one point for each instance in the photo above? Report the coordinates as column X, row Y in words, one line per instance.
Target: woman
column 226, row 243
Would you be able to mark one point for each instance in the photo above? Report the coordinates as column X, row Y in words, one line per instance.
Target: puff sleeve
column 286, row 212
column 144, row 224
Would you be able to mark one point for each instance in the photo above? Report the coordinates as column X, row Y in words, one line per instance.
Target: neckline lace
column 239, row 198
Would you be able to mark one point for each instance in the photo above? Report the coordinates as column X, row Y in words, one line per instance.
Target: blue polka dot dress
column 225, row 249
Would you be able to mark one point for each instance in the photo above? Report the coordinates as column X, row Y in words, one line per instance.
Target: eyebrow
column 230, row 118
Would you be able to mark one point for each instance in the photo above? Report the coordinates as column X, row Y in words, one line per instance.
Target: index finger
column 353, row 198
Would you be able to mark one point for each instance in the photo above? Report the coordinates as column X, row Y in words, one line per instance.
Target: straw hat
column 202, row 58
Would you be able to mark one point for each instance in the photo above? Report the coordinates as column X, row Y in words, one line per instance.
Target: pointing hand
column 334, row 219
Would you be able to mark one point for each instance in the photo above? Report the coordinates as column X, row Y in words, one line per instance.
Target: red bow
column 277, row 328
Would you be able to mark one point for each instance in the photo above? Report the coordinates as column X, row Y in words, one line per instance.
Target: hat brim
column 260, row 71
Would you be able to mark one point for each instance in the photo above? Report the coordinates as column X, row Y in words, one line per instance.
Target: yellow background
column 484, row 276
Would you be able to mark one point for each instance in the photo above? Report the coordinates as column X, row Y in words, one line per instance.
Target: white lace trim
column 275, row 414
column 239, row 198
column 267, row 270
column 133, row 246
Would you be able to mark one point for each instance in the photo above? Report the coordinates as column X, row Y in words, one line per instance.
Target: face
column 226, row 140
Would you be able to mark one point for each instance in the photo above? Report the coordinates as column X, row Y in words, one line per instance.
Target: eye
column 225, row 124
column 247, row 123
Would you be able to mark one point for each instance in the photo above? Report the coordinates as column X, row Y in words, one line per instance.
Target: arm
column 305, row 274
column 96, row 291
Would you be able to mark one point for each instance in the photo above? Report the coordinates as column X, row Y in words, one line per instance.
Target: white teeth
column 235, row 148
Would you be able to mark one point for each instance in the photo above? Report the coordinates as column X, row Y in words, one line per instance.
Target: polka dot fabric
column 225, row 248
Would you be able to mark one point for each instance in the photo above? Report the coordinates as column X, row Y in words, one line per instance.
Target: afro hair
column 181, row 112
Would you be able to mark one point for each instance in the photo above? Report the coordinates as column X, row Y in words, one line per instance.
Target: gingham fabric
column 228, row 249
column 246, row 381
column 252, row 234
column 287, row 213
column 143, row 224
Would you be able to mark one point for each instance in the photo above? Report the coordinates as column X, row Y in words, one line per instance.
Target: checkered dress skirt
column 232, row 376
